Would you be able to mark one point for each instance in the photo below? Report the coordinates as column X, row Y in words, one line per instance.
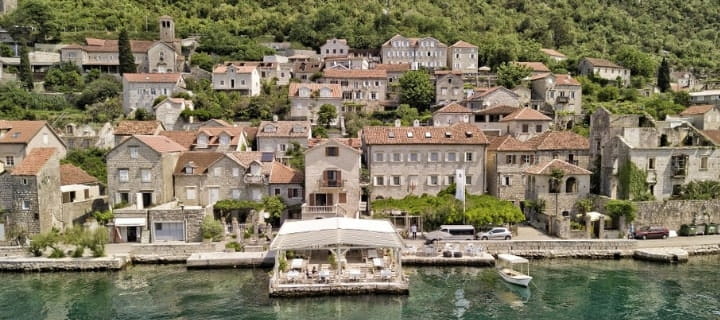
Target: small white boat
column 506, row 266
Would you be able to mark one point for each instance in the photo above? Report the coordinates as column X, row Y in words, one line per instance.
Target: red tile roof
column 199, row 160
column 713, row 135
column 34, row 162
column 603, row 63
column 335, row 88
column 463, row 44
column 540, row 76
column 103, row 45
column 534, row 66
column 70, row 174
column 356, row 74
column 393, row 67
column 453, row 107
column 20, row 131
column 559, row 140
column 547, row 167
column 160, row 143
column 566, row 80
column 284, row 129
column 246, row 158
column 152, row 77
column 508, row 143
column 526, row 114
column 499, row 110
column 214, row 134
column 696, row 110
column 222, row 68
column 283, row 174
column 483, row 92
column 183, row 138
column 352, row 142
column 552, row 52
column 459, row 133
column 132, row 127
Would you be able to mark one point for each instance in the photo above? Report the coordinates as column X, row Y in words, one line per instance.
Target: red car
column 652, row 233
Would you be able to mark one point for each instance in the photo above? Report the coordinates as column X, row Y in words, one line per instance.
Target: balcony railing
column 562, row 99
column 254, row 179
column 315, row 212
column 322, row 183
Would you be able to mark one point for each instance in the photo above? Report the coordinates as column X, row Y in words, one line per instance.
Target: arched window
column 571, row 185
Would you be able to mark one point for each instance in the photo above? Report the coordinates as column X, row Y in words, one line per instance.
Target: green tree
column 202, row 60
column 638, row 62
column 125, row 55
column 326, row 114
column 211, row 228
column 416, row 89
column 25, row 74
column 6, row 51
column 142, row 114
column 106, row 87
column 663, row 76
column 509, row 74
column 621, row 208
column 63, row 77
column 273, row 205
column 91, row 160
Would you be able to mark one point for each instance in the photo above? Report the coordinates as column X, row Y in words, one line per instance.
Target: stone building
column 463, row 57
column 418, row 52
column 560, row 94
column 140, row 171
column 278, row 136
column 169, row 113
column 268, row 71
column 554, row 54
column 604, row 69
column 242, row 79
column 451, row 114
column 334, row 47
column 448, row 87
column 141, row 89
column 221, row 139
column 82, row 195
column 306, row 71
column 705, row 97
column 7, row 6
column 288, row 184
column 128, row 128
column 363, row 90
column 393, row 72
column 703, row 117
column 89, row 136
column 683, row 80
column 306, row 99
column 535, row 67
column 418, row 160
column 332, row 179
column 18, row 138
column 525, row 123
column 488, row 119
column 485, row 98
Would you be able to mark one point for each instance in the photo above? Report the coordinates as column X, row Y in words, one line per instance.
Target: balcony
column 320, row 212
column 562, row 100
column 331, row 184
column 254, row 179
column 679, row 172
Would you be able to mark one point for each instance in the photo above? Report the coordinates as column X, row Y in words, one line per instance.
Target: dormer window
column 304, row 92
column 269, row 128
column 428, row 135
column 298, row 129
column 325, row 92
column 202, row 140
column 224, row 140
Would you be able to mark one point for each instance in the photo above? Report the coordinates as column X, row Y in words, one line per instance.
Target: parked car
column 433, row 236
column 496, row 234
column 652, row 233
column 451, row 232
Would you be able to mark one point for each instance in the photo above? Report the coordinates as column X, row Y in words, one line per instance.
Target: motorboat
column 511, row 268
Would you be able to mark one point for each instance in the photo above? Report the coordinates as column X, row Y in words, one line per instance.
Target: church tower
column 167, row 29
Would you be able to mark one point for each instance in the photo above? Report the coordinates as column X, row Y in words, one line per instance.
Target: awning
column 130, row 222
column 595, row 216
column 335, row 232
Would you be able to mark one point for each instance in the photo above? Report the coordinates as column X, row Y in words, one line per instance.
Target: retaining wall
column 600, row 249
column 13, row 251
column 168, row 253
column 61, row 264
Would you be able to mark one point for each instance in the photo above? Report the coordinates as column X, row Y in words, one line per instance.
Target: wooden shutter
column 312, row 199
column 330, row 199
column 289, row 194
column 338, row 176
column 342, row 197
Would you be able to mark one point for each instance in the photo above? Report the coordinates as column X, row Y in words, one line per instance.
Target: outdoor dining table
column 385, row 274
column 296, row 264
column 324, row 275
column 354, row 274
column 378, row 262
column 293, row 275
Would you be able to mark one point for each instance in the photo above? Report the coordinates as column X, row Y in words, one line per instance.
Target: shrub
column 40, row 242
column 211, row 228
column 98, row 240
column 235, row 246
column 57, row 253
column 103, row 217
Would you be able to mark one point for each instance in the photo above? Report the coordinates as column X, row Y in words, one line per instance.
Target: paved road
column 679, row 242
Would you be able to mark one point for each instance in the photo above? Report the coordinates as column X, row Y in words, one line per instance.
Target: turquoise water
column 562, row 289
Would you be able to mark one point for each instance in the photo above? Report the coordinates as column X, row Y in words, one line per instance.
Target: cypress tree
column 663, row 77
column 25, row 72
column 125, row 56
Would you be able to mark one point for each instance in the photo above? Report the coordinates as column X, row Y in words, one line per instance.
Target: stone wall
column 13, row 251
column 62, row 264
column 191, row 217
column 75, row 212
column 168, row 253
column 671, row 213
column 559, row 248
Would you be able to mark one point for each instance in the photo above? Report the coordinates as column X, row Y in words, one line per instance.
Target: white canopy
column 129, row 222
column 511, row 258
column 595, row 216
column 333, row 232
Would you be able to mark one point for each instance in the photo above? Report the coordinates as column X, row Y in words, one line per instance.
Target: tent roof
column 512, row 258
column 332, row 232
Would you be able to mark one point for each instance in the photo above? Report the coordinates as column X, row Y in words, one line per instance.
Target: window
column 45, row 138
column 217, row 171
column 506, row 180
column 527, row 159
column 145, row 175
column 469, row 157
column 293, row 193
column 450, row 179
column 123, row 175
column 525, row 128
column 379, row 180
column 510, row 159
column 124, row 197
column 9, row 161
column 396, row 180
column 704, row 163
column 277, row 191
column 379, row 157
column 236, row 172
column 342, row 197
column 413, row 157
column 468, row 180
column 433, row 180
column 451, row 157
column 190, row 193
column 434, row 157
column 331, row 151
column 651, row 163
column 282, row 147
column 26, row 204
column 224, row 140
column 538, row 128
column 24, row 181
column 397, row 157
column 236, row 193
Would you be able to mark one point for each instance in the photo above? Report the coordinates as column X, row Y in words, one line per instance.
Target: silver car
column 496, row 234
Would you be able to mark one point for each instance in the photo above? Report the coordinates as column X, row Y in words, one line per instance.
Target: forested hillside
column 686, row 31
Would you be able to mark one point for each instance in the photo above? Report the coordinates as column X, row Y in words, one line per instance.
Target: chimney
column 398, row 123
column 416, row 123
column 275, row 118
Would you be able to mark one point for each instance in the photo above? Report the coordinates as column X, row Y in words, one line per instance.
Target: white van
column 459, row 232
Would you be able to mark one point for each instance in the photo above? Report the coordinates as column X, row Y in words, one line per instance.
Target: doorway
column 132, row 234
column 147, row 199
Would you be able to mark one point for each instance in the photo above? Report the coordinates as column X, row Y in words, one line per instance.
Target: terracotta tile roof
column 453, row 107
column 251, row 133
column 214, row 134
column 695, row 110
column 245, row 158
column 160, row 143
column 152, row 77
column 281, row 173
column 535, row 66
column 499, row 110
column 463, row 44
column 352, row 142
column 335, row 88
column 183, row 138
column 713, row 135
column 547, row 167
column 199, row 160
column 508, row 143
column 566, row 80
column 284, row 129
column 20, row 131
column 540, row 76
column 34, row 162
column 459, row 133
column 336, row 40
column 596, row 62
column 70, row 174
column 526, row 114
column 552, row 52
column 559, row 140
column 222, row 68
column 103, row 45
column 356, row 74
column 482, row 92
column 393, row 67
column 131, row 127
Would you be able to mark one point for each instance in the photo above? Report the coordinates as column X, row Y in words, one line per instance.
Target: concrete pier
column 20, row 264
column 480, row 260
column 669, row 255
column 306, row 290
column 212, row 260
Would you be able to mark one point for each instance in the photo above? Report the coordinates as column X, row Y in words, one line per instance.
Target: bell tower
column 167, row 29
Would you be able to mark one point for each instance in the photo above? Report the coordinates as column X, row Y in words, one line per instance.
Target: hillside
column 504, row 29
